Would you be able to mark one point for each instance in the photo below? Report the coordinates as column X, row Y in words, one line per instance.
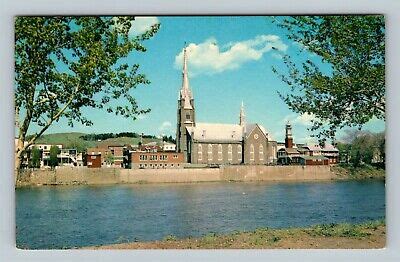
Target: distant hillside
column 75, row 140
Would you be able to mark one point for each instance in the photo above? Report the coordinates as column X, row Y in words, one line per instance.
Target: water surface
column 65, row 217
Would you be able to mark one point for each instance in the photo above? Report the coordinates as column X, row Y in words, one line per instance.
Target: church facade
column 217, row 143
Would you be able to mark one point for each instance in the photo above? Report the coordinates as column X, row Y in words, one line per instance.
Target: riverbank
column 362, row 236
column 239, row 173
column 358, row 173
column 233, row 173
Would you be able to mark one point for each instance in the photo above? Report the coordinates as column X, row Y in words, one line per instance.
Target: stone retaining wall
column 97, row 176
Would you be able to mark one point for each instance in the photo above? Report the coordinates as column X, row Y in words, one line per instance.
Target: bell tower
column 288, row 137
column 186, row 112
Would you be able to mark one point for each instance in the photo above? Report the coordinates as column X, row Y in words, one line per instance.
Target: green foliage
column 103, row 136
column 344, row 230
column 64, row 64
column 353, row 91
column 364, row 147
column 53, row 160
column 170, row 238
column 169, row 139
column 109, row 158
column 34, row 161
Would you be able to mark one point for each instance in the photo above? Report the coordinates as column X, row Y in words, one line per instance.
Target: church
column 217, row 143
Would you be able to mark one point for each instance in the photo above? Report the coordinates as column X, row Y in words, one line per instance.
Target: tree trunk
column 19, row 154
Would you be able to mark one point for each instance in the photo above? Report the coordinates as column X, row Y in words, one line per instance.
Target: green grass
column 359, row 173
column 74, row 140
column 270, row 237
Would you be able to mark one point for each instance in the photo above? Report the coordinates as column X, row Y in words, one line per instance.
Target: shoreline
column 115, row 176
column 202, row 182
column 367, row 235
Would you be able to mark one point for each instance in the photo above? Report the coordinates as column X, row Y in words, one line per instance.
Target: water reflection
column 56, row 217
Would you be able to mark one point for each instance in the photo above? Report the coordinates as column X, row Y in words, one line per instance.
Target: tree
column 365, row 145
column 109, row 158
column 34, row 161
column 65, row 64
column 53, row 160
column 352, row 91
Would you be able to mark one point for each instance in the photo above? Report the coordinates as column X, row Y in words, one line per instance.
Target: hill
column 75, row 140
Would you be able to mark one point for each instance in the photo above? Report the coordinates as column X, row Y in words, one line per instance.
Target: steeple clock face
column 255, row 136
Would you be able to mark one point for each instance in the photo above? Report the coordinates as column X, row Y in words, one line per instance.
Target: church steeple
column 185, row 93
column 186, row 111
column 242, row 116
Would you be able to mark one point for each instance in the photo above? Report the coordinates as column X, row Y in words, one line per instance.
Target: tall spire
column 242, row 116
column 185, row 92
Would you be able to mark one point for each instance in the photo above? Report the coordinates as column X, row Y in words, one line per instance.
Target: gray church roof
column 216, row 132
column 210, row 132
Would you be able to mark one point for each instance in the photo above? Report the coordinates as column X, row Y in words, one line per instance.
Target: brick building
column 156, row 160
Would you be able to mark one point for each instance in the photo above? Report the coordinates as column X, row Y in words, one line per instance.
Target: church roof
column 216, row 132
column 327, row 147
column 250, row 127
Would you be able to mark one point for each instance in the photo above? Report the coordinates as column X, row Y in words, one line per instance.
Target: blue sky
column 230, row 60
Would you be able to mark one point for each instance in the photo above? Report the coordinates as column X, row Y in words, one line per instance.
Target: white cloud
column 277, row 56
column 165, row 126
column 303, row 119
column 142, row 24
column 208, row 57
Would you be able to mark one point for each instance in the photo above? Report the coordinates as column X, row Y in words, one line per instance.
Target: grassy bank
column 367, row 235
column 358, row 173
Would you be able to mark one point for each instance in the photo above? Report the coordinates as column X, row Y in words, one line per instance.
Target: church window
column 219, row 152
column 187, row 116
column 209, row 152
column 251, row 152
column 239, row 148
column 261, row 152
column 200, row 152
column 229, row 152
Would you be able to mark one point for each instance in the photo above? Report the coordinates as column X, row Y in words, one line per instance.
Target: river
column 76, row 216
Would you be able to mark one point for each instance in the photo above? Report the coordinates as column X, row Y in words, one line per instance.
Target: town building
column 290, row 153
column 65, row 157
column 217, row 143
column 150, row 147
column 328, row 150
column 319, row 160
column 93, row 159
column 156, row 160
column 168, row 147
column 112, row 155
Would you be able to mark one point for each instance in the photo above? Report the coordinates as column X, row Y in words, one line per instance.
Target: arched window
column 251, row 152
column 200, row 153
column 229, row 152
column 261, row 152
column 239, row 151
column 209, row 152
column 219, row 152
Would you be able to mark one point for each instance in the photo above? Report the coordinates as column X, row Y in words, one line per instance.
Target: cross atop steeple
column 185, row 93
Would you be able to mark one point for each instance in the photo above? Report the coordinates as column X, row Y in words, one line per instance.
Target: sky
column 230, row 61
